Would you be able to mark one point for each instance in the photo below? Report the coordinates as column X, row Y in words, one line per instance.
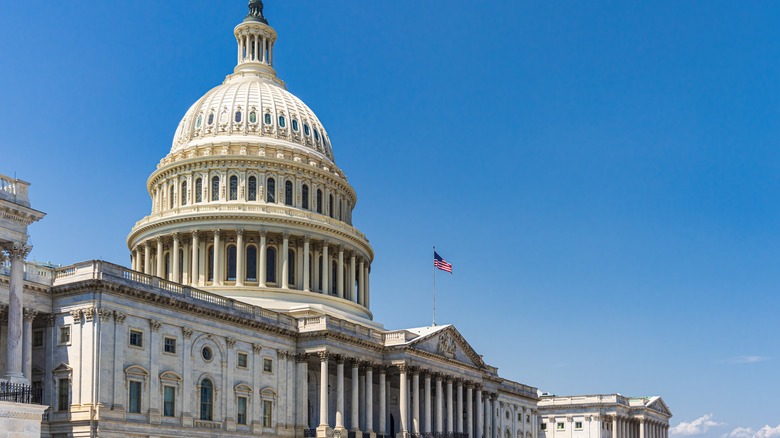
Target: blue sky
column 603, row 175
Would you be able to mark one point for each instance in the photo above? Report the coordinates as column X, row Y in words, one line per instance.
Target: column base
column 324, row 432
column 340, row 432
column 403, row 435
column 371, row 434
column 358, row 433
column 17, row 378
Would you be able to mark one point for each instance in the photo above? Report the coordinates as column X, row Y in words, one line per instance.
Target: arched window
column 253, row 117
column 233, row 188
column 334, row 269
column 199, row 121
column 270, row 192
column 215, row 188
column 252, row 189
column 211, row 119
column 282, row 122
column 317, row 135
column 210, row 261
column 305, row 196
column 238, row 117
column 306, row 129
column 206, row 400
column 290, row 267
column 199, row 190
column 231, row 263
column 172, row 197
column 183, row 193
column 319, row 280
column 330, row 205
column 270, row 265
column 181, row 264
column 319, row 201
column 295, row 125
column 288, row 193
column 267, row 118
column 167, row 274
column 251, row 263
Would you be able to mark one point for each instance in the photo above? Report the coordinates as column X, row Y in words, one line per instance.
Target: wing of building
column 247, row 306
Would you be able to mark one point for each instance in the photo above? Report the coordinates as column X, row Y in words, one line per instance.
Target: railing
column 20, row 393
column 309, row 433
column 14, row 190
column 33, row 272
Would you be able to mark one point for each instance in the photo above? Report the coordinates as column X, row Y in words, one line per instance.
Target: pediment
column 657, row 404
column 448, row 343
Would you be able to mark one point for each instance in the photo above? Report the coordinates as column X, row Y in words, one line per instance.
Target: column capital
column 240, row 232
column 382, row 369
column 18, row 251
column 286, row 235
column 306, row 239
column 175, row 237
column 302, row 357
column 323, row 355
column 187, row 332
column 340, row 359
column 468, row 384
column 438, row 376
column 29, row 314
column 257, row 348
column 195, row 234
column 230, row 342
column 50, row 319
column 325, row 243
column 218, row 233
column 263, row 232
column 119, row 317
column 366, row 365
column 403, row 367
column 155, row 325
column 341, row 249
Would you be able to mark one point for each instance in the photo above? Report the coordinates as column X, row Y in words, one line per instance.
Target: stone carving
column 447, row 345
column 187, row 332
column 104, row 314
column 30, row 314
column 256, row 348
column 89, row 314
column 231, row 342
column 50, row 318
column 76, row 314
column 119, row 317
column 155, row 325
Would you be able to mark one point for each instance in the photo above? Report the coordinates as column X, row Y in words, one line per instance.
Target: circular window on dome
column 282, row 122
column 207, row 354
column 211, row 119
column 253, row 117
column 306, row 129
column 199, row 121
column 295, row 125
column 267, row 118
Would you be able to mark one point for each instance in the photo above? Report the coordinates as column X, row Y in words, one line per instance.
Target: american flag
column 440, row 263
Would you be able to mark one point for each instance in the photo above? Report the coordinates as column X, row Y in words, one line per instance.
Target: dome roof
column 251, row 107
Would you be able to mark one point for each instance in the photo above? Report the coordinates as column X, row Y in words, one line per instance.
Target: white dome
column 251, row 107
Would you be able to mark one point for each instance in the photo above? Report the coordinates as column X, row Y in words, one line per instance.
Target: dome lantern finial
column 256, row 12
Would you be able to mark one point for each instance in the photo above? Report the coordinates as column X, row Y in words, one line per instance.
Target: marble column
column 415, row 401
column 480, row 413
column 459, row 406
column 240, row 253
column 470, row 411
column 352, row 293
column 340, row 273
column 147, row 258
column 216, row 267
column 194, row 259
column 323, row 391
column 175, row 260
column 428, row 413
column 261, row 275
column 29, row 316
column 325, row 269
column 340, row 392
column 404, row 401
column 160, row 259
column 382, row 400
column 13, row 366
column 369, row 397
column 494, row 420
column 450, row 412
column 361, row 283
column 285, row 260
column 488, row 416
column 306, row 281
column 439, row 407
column 354, row 418
column 303, row 392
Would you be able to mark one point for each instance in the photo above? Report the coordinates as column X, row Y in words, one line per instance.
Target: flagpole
column 434, row 290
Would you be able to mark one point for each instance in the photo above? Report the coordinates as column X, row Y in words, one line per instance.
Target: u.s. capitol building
column 247, row 306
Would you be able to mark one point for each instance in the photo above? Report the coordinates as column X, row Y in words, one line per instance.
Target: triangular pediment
column 657, row 404
column 448, row 343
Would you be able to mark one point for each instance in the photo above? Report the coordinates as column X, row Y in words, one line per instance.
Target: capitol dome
column 249, row 202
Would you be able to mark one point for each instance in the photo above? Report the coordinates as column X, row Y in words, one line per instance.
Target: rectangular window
column 64, row 335
column 134, row 392
column 37, row 340
column 169, row 401
column 136, row 338
column 527, row 418
column 578, row 424
column 267, row 412
column 559, row 426
column 170, row 345
column 268, row 365
column 241, row 410
column 544, row 426
column 63, row 395
column 243, row 359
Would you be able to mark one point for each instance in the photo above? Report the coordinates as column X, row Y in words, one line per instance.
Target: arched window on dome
column 215, row 188
column 270, row 265
column 267, row 118
column 317, row 135
column 206, row 400
column 211, row 119
column 253, row 117
column 334, row 270
column 233, row 188
column 306, row 129
column 183, row 193
column 291, row 267
column 199, row 190
column 238, row 116
column 231, row 263
column 172, row 197
column 199, row 121
column 305, row 197
column 270, row 192
column 282, row 122
column 288, row 193
column 251, row 263
column 295, row 125
column 330, row 206
column 319, row 201
column 210, row 263
column 321, row 265
column 251, row 194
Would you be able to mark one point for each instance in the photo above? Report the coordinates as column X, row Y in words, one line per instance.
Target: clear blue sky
column 603, row 175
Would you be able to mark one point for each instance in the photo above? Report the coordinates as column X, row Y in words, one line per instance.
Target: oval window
column 267, row 119
column 317, row 134
column 253, row 117
column 211, row 119
column 238, row 116
column 199, row 121
column 295, row 125
column 282, row 122
column 306, row 129
column 207, row 354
